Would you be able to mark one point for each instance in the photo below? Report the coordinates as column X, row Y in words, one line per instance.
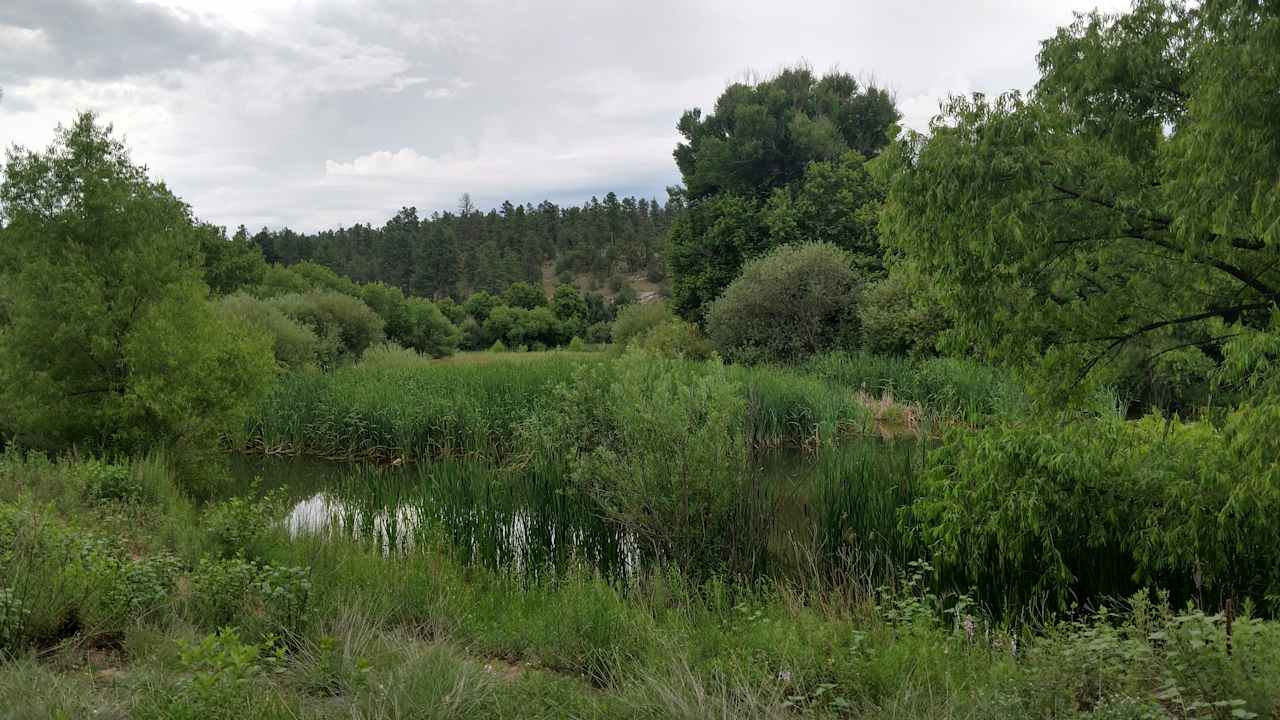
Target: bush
column 600, row 333
column 899, row 319
column 342, row 320
column 1093, row 507
column 429, row 331
column 261, row 597
column 224, row 677
column 658, row 444
column 294, row 344
column 525, row 296
column 110, row 483
column 796, row 301
column 389, row 355
column 675, row 338
column 634, row 321
column 240, row 525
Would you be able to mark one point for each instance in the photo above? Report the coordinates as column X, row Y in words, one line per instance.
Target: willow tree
column 1120, row 222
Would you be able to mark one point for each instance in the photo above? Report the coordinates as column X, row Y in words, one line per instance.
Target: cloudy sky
column 319, row 113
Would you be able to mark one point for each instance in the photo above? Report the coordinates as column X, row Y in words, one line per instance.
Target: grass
column 371, row 635
column 475, row 406
column 947, row 387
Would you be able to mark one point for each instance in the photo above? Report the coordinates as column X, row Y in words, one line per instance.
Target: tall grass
column 949, row 387
column 445, row 409
column 385, row 413
column 859, row 493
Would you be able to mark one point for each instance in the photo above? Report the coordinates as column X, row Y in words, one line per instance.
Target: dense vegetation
column 977, row 422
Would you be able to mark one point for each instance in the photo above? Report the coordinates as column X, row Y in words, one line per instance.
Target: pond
column 535, row 522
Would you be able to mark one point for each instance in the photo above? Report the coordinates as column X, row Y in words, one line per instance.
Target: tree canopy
column 110, row 339
column 763, row 135
column 778, row 161
column 1121, row 221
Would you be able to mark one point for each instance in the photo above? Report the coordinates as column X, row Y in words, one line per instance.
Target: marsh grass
column 424, row 634
column 475, row 409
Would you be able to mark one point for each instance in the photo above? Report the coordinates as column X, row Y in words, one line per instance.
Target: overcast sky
column 315, row 114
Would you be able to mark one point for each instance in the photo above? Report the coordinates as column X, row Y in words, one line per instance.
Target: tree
column 344, row 321
column 230, row 265
column 708, row 246
column 836, row 202
column 390, row 305
column 111, row 340
column 777, row 161
column 430, row 331
column 796, row 301
column 763, row 135
column 480, row 305
column 524, row 295
column 1123, row 218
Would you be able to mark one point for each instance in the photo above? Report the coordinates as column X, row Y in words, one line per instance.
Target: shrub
column 389, row 355
column 428, row 330
column 658, row 444
column 261, row 597
column 600, row 333
column 577, row 345
column 342, row 320
column 224, row 677
column 788, row 305
column 1092, row 507
column 294, row 344
column 899, row 318
column 675, row 338
column 110, row 483
column 634, row 321
column 239, row 526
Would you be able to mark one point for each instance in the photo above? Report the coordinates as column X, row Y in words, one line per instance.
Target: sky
column 315, row 114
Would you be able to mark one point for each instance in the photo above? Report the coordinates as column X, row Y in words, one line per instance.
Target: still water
column 534, row 522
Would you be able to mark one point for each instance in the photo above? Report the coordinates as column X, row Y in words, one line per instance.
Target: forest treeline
column 456, row 253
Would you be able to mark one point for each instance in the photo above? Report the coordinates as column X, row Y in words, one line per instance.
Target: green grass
column 947, row 387
column 476, row 407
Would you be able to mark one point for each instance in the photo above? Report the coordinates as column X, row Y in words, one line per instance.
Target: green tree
column 836, row 202
column 788, row 305
column 345, row 322
column 230, row 265
column 389, row 303
column 111, row 339
column 763, row 135
column 430, row 331
column 777, row 161
column 524, row 295
column 480, row 305
column 708, row 246
column 1123, row 220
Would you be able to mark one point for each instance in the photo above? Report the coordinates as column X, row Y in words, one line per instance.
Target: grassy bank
column 146, row 608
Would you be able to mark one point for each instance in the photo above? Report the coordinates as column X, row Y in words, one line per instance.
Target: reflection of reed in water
column 512, row 539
